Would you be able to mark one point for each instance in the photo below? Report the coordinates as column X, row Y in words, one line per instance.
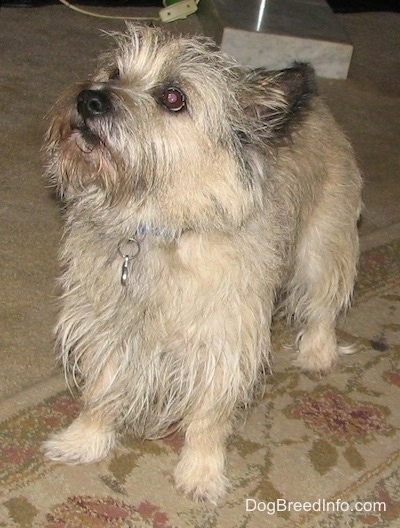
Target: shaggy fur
column 213, row 189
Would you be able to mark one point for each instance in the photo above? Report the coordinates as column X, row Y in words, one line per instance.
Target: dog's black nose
column 92, row 103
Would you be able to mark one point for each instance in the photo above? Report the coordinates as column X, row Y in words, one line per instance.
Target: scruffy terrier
column 198, row 193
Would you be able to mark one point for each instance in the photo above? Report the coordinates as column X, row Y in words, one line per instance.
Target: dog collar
column 128, row 249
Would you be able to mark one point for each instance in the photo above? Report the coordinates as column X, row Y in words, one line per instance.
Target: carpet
column 316, row 451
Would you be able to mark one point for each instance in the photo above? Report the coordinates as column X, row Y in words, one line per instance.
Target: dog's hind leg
column 322, row 283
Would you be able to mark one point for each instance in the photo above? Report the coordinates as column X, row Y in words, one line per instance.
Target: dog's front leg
column 93, row 434
column 88, row 439
column 200, row 472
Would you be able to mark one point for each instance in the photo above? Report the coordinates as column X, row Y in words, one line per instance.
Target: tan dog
column 197, row 192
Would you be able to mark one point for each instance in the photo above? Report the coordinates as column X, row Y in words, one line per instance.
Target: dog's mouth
column 86, row 133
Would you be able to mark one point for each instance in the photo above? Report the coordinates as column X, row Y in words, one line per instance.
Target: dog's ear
column 276, row 100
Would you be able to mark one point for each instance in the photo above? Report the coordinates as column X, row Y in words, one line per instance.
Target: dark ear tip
column 306, row 71
column 306, row 67
column 280, row 98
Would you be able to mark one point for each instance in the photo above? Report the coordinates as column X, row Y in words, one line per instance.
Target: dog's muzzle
column 93, row 103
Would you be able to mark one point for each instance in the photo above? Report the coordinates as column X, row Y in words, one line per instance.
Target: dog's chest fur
column 188, row 305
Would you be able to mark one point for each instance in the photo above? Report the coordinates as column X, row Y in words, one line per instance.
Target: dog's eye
column 115, row 75
column 173, row 99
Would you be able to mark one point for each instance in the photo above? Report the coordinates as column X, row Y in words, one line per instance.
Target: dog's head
column 175, row 127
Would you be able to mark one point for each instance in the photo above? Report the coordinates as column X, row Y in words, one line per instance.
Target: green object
column 168, row 3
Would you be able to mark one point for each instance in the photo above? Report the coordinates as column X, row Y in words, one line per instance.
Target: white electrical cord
column 98, row 15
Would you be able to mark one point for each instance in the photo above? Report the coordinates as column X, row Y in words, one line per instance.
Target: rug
column 316, row 451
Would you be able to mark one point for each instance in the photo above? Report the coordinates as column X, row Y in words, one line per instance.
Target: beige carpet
column 328, row 446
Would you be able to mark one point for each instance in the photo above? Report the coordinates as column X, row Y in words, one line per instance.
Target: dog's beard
column 92, row 153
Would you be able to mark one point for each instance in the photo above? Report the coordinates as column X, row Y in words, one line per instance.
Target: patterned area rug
column 315, row 451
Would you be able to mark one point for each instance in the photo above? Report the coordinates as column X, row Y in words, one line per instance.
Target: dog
column 199, row 194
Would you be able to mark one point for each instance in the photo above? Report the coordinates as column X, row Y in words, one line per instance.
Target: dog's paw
column 202, row 481
column 82, row 442
column 314, row 362
column 317, row 350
